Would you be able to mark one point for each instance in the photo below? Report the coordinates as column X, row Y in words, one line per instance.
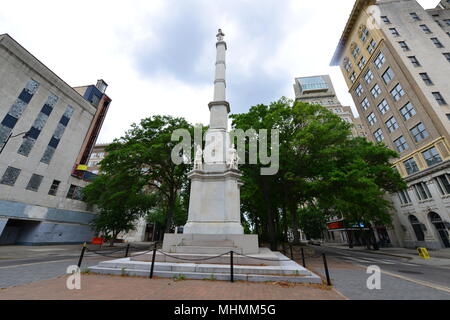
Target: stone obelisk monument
column 214, row 206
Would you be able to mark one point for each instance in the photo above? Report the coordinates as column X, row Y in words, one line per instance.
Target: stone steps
column 204, row 250
column 208, row 276
column 204, row 268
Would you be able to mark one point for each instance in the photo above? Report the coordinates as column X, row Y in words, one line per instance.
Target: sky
column 158, row 56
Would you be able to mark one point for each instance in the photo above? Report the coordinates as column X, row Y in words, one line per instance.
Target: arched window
column 355, row 50
column 363, row 33
column 417, row 227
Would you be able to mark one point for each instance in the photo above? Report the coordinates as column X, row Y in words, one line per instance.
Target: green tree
column 318, row 166
column 120, row 199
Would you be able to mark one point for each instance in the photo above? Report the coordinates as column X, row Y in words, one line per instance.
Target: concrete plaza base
column 210, row 243
column 281, row 268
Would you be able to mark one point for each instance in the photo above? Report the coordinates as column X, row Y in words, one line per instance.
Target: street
column 401, row 278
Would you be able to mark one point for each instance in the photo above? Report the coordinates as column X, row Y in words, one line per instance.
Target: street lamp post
column 9, row 137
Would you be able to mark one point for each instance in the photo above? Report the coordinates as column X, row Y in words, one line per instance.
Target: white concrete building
column 45, row 128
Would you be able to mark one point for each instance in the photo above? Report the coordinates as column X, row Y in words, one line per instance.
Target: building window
column 447, row 56
column 359, row 90
column 355, row 52
column 431, row 156
column 397, row 92
column 365, row 104
column 353, row 77
column 383, row 106
column 16, row 110
column 422, row 191
column 388, row 75
column 10, row 176
column 392, row 124
column 368, row 76
column 394, row 32
column 414, row 16
column 443, row 184
column 34, row 183
column 411, row 166
column 376, row 91
column 75, row 192
column 404, row 197
column 371, row 119
column 403, row 45
column 419, row 132
column 54, row 188
column 378, row 135
column 364, row 34
column 408, row 111
column 348, row 65
column 362, row 62
column 414, row 61
column 379, row 61
column 401, row 144
column 437, row 43
column 39, row 123
column 385, row 19
column 417, row 227
column 57, row 135
column 425, row 29
column 372, row 45
column 426, row 78
column 439, row 98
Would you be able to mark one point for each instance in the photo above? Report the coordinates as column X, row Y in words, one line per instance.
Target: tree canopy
column 321, row 167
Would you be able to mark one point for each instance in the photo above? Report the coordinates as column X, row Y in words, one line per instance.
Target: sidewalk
column 134, row 288
column 437, row 257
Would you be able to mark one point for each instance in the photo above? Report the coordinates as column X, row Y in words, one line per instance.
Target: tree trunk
column 350, row 238
column 295, row 223
column 271, row 227
column 170, row 211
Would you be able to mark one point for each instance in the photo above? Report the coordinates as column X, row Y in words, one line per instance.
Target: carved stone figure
column 233, row 158
column 198, row 161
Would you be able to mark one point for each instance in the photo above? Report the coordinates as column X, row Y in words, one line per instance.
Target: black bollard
column 153, row 261
column 231, row 267
column 126, row 251
column 326, row 269
column 303, row 258
column 292, row 253
column 81, row 255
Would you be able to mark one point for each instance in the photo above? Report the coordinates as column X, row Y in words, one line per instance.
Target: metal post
column 326, row 269
column 126, row 251
column 292, row 253
column 81, row 255
column 153, row 261
column 303, row 258
column 231, row 267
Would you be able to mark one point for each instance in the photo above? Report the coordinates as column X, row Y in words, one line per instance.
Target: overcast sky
column 158, row 56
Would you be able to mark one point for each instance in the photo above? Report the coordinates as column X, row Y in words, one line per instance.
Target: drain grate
column 411, row 272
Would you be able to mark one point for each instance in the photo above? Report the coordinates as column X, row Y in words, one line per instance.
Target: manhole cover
column 412, row 272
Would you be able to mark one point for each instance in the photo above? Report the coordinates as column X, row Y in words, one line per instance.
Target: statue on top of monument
column 220, row 35
column 232, row 158
column 198, row 160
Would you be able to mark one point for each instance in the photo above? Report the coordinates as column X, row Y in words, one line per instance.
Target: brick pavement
column 134, row 288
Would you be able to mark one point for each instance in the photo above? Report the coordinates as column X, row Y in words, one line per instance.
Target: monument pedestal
column 210, row 243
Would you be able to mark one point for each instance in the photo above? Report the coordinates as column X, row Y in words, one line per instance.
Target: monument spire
column 219, row 81
column 219, row 107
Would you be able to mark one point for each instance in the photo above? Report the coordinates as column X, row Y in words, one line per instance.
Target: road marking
column 420, row 282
